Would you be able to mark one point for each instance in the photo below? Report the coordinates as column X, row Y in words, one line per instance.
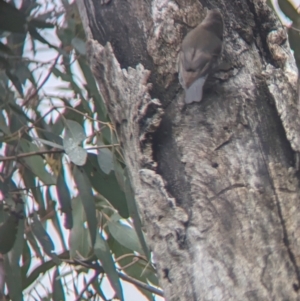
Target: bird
column 199, row 54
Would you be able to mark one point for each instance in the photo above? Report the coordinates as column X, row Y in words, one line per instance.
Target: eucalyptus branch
column 141, row 284
column 51, row 151
column 125, row 277
column 20, row 156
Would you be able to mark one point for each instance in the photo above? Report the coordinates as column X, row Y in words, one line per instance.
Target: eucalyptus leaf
column 60, row 74
column 141, row 270
column 106, row 185
column 13, row 278
column 22, row 72
column 79, row 45
column 105, row 160
column 64, row 199
column 124, row 234
column 3, row 126
column 41, row 269
column 74, row 135
column 13, row 275
column 57, row 288
column 46, row 142
column 26, row 259
column 8, row 233
column 134, row 214
column 57, row 226
column 102, row 252
column 79, row 238
column 36, row 163
column 34, row 245
column 87, row 198
column 97, row 287
column 47, row 133
column 74, row 132
column 93, row 89
column 29, row 180
column 44, row 238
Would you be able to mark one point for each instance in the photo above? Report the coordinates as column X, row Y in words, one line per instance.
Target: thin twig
column 134, row 261
column 26, row 128
column 296, row 29
column 84, row 114
column 51, row 151
column 140, row 257
column 141, row 284
column 35, row 93
column 87, row 285
column 102, row 146
column 19, row 156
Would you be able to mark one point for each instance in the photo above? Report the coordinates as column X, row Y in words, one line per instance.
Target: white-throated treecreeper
column 200, row 50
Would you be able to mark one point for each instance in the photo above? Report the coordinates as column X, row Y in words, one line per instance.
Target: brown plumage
column 200, row 50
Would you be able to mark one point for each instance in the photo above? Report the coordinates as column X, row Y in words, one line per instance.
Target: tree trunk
column 216, row 182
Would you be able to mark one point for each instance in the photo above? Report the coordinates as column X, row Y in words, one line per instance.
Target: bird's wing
column 198, row 61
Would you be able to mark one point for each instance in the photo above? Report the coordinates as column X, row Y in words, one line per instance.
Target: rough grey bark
column 216, row 182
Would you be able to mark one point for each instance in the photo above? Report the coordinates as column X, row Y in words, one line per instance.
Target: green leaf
column 34, row 245
column 69, row 115
column 13, row 274
column 29, row 180
column 8, row 233
column 35, row 34
column 44, row 238
column 26, row 259
column 141, row 270
column 79, row 239
column 11, row 19
column 41, row 269
column 97, row 287
column 57, row 288
column 106, row 185
column 22, row 72
column 17, row 118
column 57, row 226
column 15, row 80
column 102, row 252
column 119, row 172
column 93, row 89
column 36, row 163
column 3, row 126
column 5, row 49
column 88, row 202
column 79, row 45
column 124, row 234
column 64, row 199
column 74, row 135
column 45, row 131
column 105, row 160
column 40, row 22
column 63, row 76
column 13, row 279
column 134, row 214
column 49, row 143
